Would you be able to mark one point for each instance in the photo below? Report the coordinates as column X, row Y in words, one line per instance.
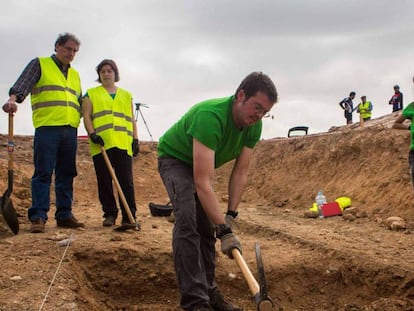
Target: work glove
column 96, row 139
column 228, row 242
column 135, row 147
column 230, row 218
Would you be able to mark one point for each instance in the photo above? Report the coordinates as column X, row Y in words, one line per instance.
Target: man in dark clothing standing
column 396, row 100
column 348, row 106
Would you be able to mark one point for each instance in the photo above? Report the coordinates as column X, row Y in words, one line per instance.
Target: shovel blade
column 126, row 227
column 9, row 214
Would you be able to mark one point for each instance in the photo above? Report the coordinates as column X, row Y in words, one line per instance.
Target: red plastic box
column 331, row 209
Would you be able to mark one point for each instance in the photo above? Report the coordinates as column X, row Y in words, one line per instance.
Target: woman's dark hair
column 111, row 63
column 258, row 82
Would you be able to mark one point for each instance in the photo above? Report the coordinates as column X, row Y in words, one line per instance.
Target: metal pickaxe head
column 262, row 299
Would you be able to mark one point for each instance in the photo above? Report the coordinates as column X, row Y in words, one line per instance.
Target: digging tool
column 262, row 300
column 361, row 121
column 7, row 209
column 134, row 224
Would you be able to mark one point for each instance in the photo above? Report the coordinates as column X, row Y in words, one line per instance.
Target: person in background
column 397, row 99
column 348, row 106
column 365, row 108
column 407, row 114
column 210, row 134
column 108, row 119
column 55, row 94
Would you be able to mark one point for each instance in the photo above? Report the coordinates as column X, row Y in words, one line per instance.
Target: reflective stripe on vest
column 54, row 98
column 112, row 119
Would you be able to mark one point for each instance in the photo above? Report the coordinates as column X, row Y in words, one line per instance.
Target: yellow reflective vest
column 363, row 110
column 54, row 98
column 112, row 119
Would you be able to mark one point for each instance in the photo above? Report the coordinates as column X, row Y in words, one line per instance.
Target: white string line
column 56, row 272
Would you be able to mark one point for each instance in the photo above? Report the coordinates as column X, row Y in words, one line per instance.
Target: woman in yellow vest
column 108, row 118
column 365, row 109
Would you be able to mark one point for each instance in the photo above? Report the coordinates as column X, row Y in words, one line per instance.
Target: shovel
column 7, row 209
column 262, row 300
column 134, row 224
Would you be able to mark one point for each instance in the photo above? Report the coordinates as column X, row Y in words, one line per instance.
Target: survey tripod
column 139, row 112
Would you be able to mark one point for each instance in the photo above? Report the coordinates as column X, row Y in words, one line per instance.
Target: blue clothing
column 54, row 150
column 397, row 101
column 348, row 106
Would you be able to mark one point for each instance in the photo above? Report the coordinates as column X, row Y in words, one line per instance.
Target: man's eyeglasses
column 260, row 110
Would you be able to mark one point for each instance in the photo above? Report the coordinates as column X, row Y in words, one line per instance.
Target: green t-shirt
column 211, row 123
column 408, row 112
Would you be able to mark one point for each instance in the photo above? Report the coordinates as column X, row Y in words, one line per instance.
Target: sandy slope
column 311, row 264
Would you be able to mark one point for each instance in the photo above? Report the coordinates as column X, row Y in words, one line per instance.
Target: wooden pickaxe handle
column 263, row 303
column 117, row 185
column 251, row 281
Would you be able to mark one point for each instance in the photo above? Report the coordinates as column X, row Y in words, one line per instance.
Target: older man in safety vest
column 55, row 90
column 365, row 109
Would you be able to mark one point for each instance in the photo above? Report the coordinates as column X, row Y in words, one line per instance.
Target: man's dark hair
column 258, row 82
column 65, row 37
column 111, row 63
column 352, row 94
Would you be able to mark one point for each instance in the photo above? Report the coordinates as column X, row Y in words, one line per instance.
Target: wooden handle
column 361, row 120
column 117, row 185
column 251, row 281
column 10, row 144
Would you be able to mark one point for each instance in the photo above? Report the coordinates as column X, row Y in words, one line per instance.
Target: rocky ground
column 340, row 263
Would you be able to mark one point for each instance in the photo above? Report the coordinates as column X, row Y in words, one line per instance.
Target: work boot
column 38, row 226
column 201, row 308
column 70, row 223
column 218, row 303
column 109, row 221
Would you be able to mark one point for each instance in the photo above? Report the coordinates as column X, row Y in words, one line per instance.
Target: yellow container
column 344, row 202
column 314, row 208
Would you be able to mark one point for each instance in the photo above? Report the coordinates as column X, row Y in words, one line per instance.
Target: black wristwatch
column 232, row 213
column 222, row 230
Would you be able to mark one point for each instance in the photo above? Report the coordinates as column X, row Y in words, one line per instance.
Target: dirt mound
column 311, row 264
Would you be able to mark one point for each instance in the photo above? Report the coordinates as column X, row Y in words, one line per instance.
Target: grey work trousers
column 193, row 235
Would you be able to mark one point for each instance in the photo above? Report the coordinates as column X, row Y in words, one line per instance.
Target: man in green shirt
column 210, row 134
column 408, row 113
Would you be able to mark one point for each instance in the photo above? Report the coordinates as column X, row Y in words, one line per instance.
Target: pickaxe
column 262, row 300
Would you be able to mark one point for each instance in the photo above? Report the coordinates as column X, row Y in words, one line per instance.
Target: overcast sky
column 173, row 53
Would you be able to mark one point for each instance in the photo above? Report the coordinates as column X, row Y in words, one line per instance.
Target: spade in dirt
column 7, row 209
column 134, row 224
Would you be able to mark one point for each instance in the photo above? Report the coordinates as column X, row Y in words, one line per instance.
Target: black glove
column 135, row 147
column 96, row 139
column 230, row 218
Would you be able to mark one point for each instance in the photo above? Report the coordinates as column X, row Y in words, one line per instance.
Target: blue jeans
column 193, row 235
column 54, row 149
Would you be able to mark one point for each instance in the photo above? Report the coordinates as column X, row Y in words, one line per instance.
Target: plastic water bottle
column 320, row 200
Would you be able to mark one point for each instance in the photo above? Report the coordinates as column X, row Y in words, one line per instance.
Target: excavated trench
column 310, row 277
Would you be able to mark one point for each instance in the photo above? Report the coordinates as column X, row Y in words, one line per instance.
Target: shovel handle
column 117, row 185
column 251, row 281
column 10, row 143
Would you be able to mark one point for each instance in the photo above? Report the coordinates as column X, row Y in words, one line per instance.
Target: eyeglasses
column 70, row 50
column 260, row 110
